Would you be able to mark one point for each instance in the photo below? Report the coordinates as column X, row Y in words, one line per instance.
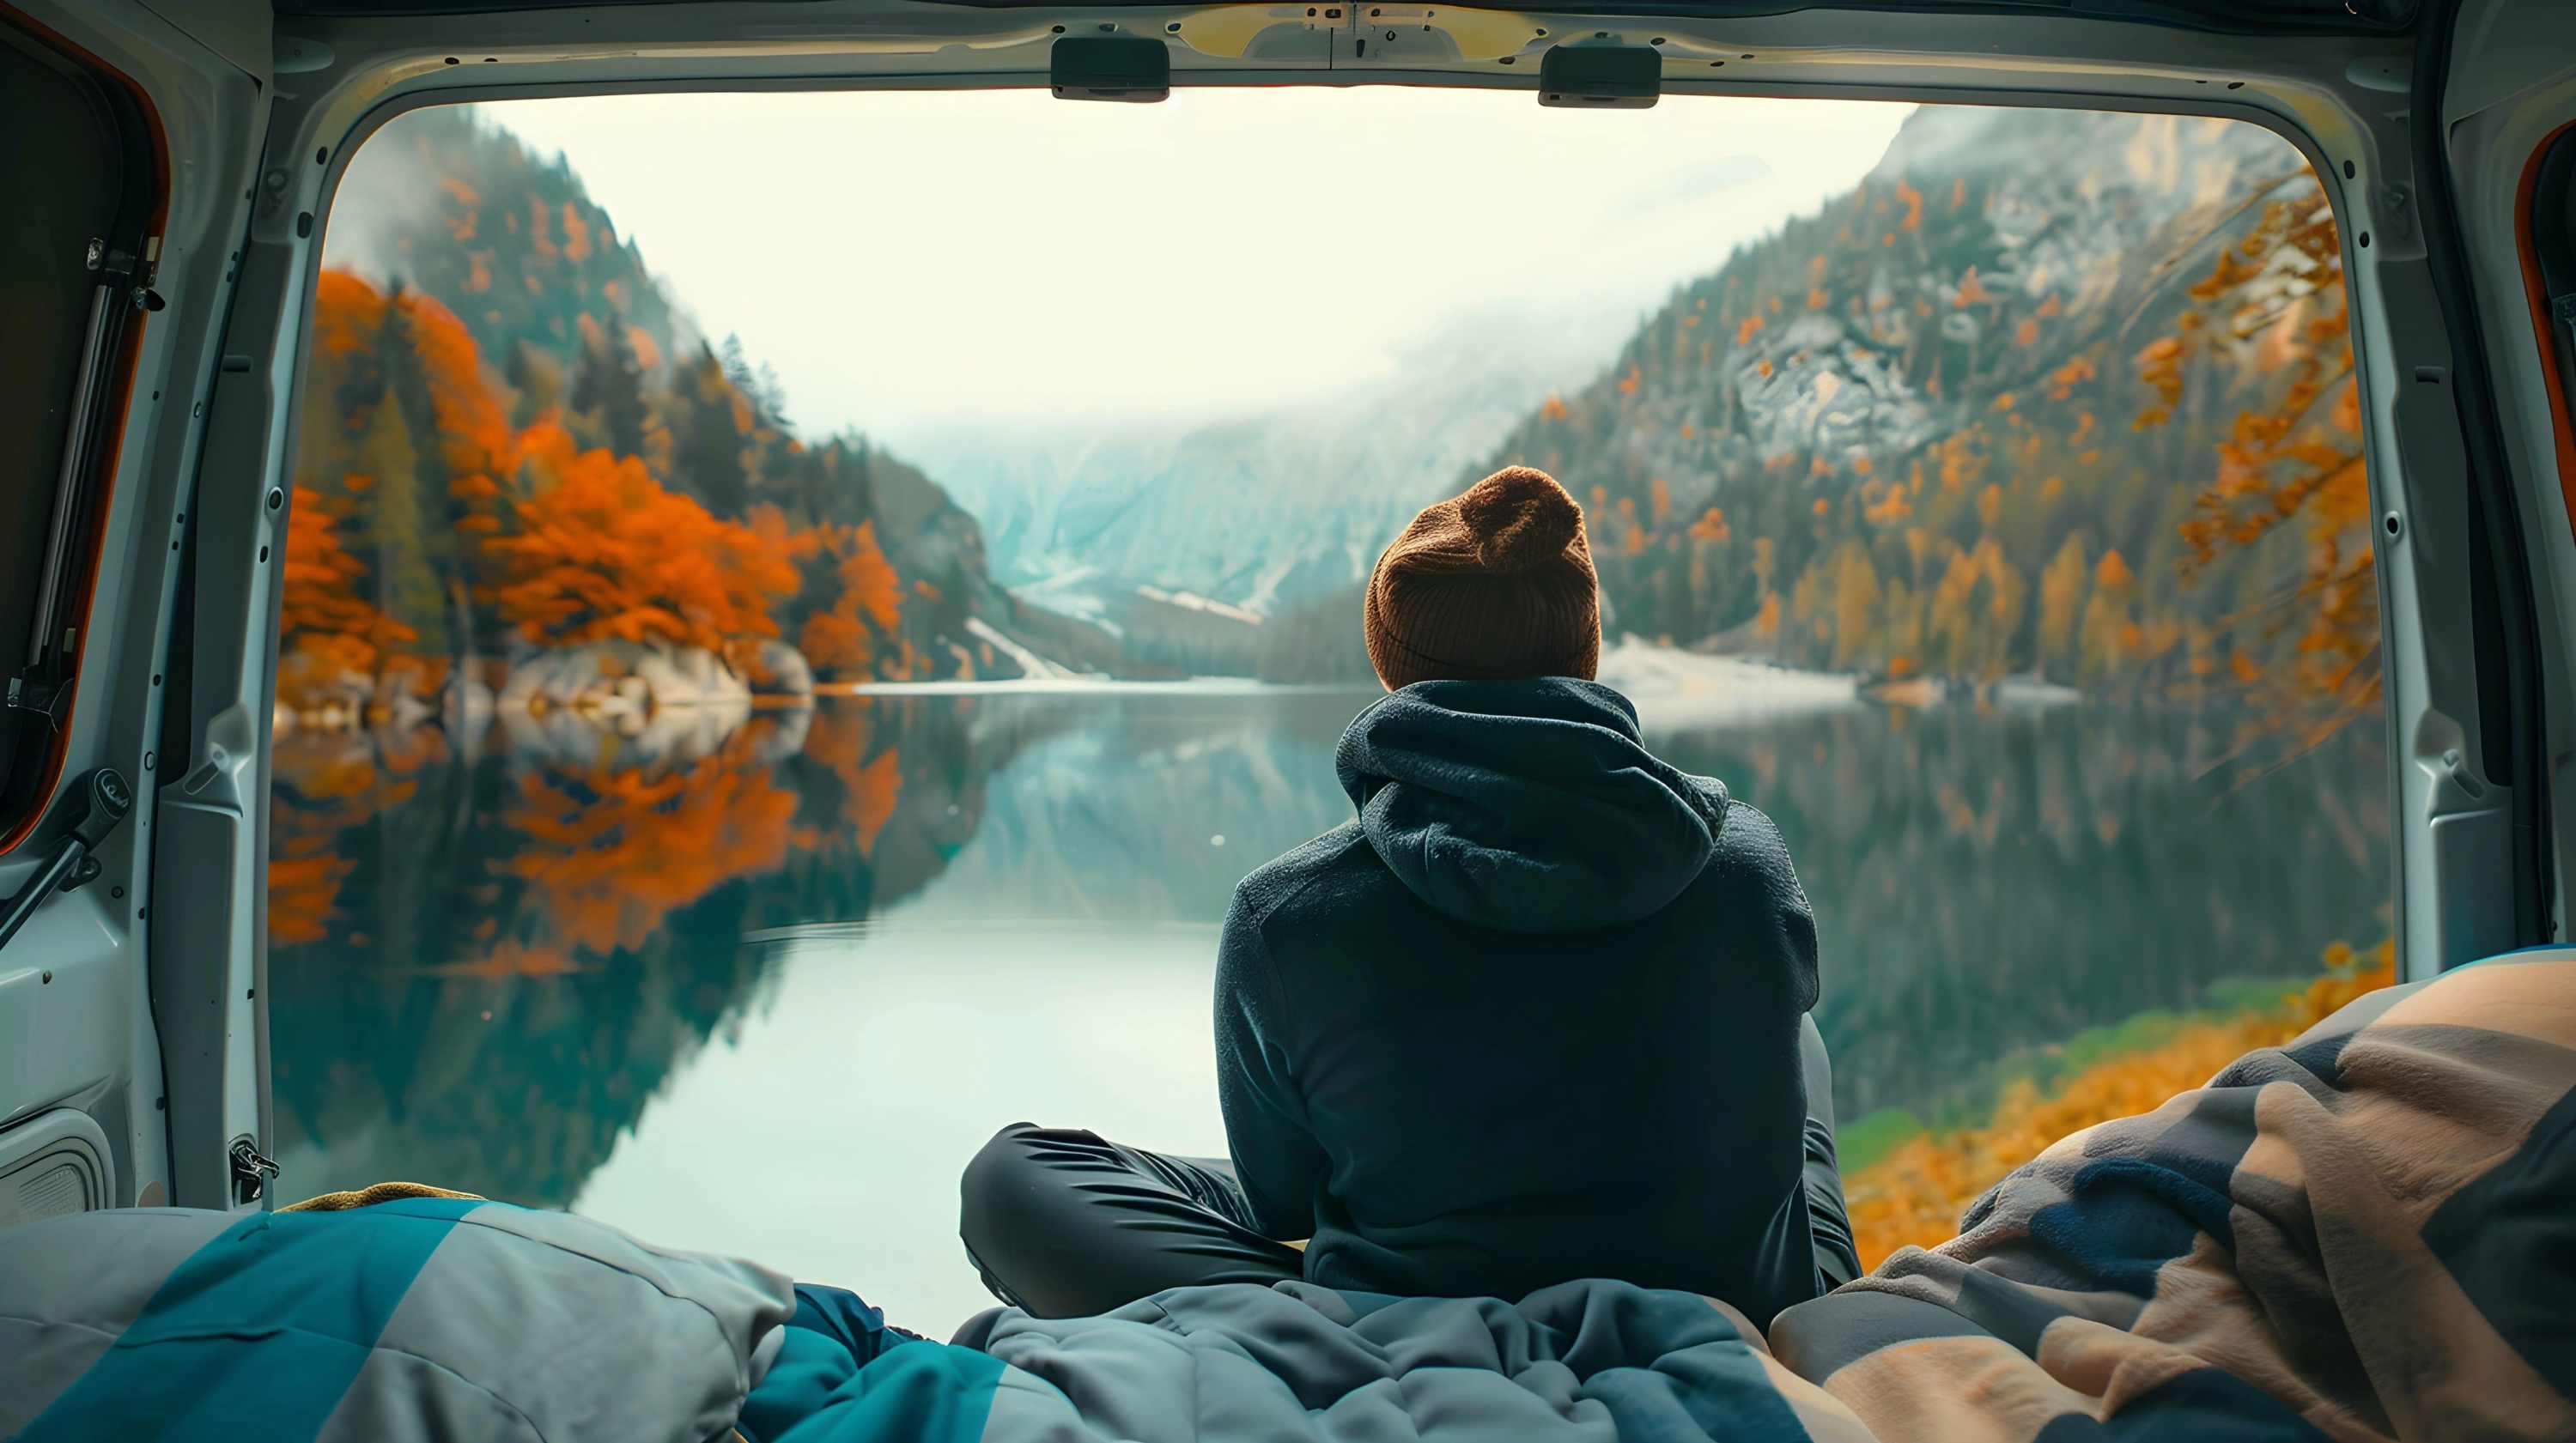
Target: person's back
column 1536, row 1014
column 1533, row 1016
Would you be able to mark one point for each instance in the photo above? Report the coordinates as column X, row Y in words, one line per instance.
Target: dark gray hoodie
column 1531, row 1016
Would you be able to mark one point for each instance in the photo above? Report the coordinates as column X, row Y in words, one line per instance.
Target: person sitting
column 1536, row 1013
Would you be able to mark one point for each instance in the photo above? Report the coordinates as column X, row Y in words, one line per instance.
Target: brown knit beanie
column 1495, row 583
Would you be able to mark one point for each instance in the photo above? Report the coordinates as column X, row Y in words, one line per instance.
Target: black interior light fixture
column 1110, row 67
column 1601, row 77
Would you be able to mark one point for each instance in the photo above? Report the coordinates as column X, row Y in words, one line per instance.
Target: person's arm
column 1774, row 896
column 1276, row 1160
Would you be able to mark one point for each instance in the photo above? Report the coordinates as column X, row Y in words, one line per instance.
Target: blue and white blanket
column 2365, row 1234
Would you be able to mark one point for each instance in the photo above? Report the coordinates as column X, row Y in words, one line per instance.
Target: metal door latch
column 251, row 1172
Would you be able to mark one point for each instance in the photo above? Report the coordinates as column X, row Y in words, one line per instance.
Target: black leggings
column 1066, row 1224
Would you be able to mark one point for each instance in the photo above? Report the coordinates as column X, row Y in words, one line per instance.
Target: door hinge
column 252, row 1172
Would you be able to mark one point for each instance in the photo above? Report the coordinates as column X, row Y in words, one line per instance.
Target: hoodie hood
column 1526, row 806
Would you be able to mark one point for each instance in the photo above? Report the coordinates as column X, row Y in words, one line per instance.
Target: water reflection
column 767, row 993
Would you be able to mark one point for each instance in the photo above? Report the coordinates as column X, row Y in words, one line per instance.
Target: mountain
column 515, row 438
column 1269, row 508
column 2058, row 392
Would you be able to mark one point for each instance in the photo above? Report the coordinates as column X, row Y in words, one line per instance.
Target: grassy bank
column 1908, row 1186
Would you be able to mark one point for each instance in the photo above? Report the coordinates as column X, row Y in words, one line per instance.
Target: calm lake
column 764, row 993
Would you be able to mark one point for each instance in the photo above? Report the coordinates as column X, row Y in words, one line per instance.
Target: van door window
column 74, row 270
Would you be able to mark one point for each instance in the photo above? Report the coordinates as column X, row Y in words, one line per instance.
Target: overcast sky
column 910, row 260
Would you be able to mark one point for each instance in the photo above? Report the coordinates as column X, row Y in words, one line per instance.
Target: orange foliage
column 327, row 630
column 347, row 314
column 461, row 223
column 576, row 248
column 1891, row 509
column 837, row 639
column 617, row 852
column 2112, row 572
column 2063, row 381
column 839, row 737
column 473, row 436
column 304, row 890
column 2292, row 456
column 1915, row 1196
column 1912, row 199
column 539, row 241
column 603, row 552
column 319, row 797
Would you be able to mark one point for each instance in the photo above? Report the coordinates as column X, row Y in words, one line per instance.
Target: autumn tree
column 603, row 552
column 2269, row 322
column 867, row 602
column 328, row 632
column 608, row 386
column 711, row 432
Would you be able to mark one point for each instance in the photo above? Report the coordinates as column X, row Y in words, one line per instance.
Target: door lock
column 251, row 1172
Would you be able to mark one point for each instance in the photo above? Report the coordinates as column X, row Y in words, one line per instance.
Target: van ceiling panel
column 2351, row 17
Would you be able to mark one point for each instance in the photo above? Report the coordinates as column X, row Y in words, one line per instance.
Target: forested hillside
column 2055, row 393
column 513, row 439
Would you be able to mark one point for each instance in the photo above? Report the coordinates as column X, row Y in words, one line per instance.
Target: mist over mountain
column 1264, row 509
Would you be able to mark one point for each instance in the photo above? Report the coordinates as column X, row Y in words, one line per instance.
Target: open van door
column 127, row 140
column 2502, row 184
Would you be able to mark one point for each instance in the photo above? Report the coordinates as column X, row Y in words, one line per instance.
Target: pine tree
column 772, row 395
column 608, row 385
column 709, row 439
column 406, row 579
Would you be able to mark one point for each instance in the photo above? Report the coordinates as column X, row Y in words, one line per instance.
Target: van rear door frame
column 84, row 1037
column 2510, row 89
column 2339, row 98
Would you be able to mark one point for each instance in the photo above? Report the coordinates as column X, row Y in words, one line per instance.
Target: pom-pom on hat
column 1493, row 584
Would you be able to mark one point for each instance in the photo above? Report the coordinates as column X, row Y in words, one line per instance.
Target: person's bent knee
column 1015, row 1189
column 1030, row 1227
column 997, row 1180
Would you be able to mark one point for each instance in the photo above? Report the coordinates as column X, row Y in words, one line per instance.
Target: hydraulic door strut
column 108, row 800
